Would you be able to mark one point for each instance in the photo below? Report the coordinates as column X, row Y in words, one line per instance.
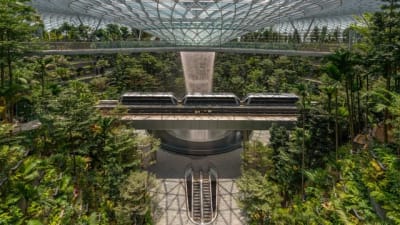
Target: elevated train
column 209, row 99
column 200, row 103
column 264, row 99
column 148, row 98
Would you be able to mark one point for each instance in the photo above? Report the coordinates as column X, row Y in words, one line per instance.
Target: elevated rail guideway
column 202, row 117
column 216, row 129
column 202, row 124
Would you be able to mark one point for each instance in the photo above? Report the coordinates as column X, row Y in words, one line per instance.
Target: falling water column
column 198, row 69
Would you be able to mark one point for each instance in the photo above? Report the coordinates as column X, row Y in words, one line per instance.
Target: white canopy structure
column 204, row 22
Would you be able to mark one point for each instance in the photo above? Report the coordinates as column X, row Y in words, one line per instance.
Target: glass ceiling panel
column 204, row 22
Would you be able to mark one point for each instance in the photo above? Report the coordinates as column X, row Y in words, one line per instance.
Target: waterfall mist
column 198, row 69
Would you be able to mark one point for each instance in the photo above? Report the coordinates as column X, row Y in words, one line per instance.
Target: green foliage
column 18, row 23
column 256, row 156
column 75, row 166
column 381, row 178
column 112, row 32
column 320, row 145
column 144, row 73
column 353, row 194
column 137, row 195
column 330, row 197
column 259, row 202
column 244, row 74
column 82, row 168
column 279, row 138
column 286, row 163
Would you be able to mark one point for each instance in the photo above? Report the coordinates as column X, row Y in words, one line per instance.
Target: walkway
column 28, row 126
column 100, row 48
column 106, row 51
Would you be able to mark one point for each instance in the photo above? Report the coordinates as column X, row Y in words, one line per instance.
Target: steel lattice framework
column 204, row 22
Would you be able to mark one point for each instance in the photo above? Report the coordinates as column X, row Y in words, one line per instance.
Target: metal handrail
column 211, row 196
column 189, row 172
column 201, row 198
column 215, row 174
column 192, row 195
column 65, row 45
column 211, row 172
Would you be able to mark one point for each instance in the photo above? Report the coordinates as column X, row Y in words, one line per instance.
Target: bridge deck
column 207, row 122
column 278, row 48
column 102, row 51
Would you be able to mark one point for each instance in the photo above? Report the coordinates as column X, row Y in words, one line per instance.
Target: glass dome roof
column 203, row 22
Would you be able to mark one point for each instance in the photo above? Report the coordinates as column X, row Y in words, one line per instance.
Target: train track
column 206, row 110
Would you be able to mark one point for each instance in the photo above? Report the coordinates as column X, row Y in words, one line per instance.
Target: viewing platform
column 114, row 47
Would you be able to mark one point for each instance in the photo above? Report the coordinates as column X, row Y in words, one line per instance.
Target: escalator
column 207, row 200
column 201, row 194
column 196, row 200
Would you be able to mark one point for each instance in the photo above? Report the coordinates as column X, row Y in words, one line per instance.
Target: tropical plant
column 258, row 202
column 137, row 199
column 19, row 21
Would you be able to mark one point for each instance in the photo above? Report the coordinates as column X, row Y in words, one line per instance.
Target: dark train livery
column 205, row 103
column 211, row 99
column 148, row 98
column 270, row 99
column 208, row 99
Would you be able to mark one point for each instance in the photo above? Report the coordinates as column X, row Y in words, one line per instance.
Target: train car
column 270, row 99
column 148, row 98
column 211, row 99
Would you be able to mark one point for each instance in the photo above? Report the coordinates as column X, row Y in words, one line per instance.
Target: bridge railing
column 285, row 46
column 323, row 47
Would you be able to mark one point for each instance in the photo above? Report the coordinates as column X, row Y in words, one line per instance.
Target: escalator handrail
column 201, row 198
column 213, row 172
column 211, row 196
column 189, row 172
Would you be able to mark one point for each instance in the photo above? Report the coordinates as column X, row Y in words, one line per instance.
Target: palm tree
column 339, row 67
column 302, row 89
column 385, row 34
column 332, row 89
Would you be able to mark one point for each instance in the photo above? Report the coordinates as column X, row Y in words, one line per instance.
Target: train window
column 270, row 99
column 142, row 98
column 211, row 99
